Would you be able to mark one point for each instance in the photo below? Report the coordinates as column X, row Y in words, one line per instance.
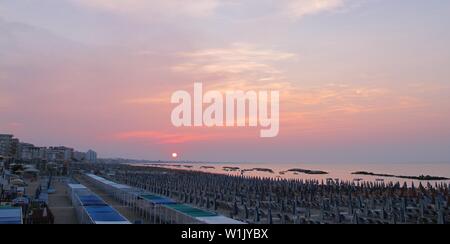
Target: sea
column 336, row 171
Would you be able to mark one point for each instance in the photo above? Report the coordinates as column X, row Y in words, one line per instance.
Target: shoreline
column 266, row 171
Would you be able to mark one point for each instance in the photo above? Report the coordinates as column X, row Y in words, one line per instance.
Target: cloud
column 148, row 100
column 248, row 67
column 237, row 63
column 301, row 8
column 163, row 137
column 353, row 98
column 205, row 8
column 195, row 8
column 342, row 101
column 238, row 67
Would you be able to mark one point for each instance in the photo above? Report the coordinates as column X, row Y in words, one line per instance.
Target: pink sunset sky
column 360, row 80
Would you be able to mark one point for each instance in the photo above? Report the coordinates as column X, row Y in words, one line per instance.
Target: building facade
column 25, row 151
column 8, row 145
column 79, row 156
column 91, row 156
column 12, row 149
column 59, row 154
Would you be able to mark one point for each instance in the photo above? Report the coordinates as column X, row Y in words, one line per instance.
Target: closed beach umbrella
column 270, row 216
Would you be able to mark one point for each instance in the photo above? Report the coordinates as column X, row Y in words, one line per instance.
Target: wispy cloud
column 237, row 63
column 195, row 8
column 237, row 67
column 163, row 137
column 206, row 8
column 301, row 8
column 148, row 100
column 366, row 98
column 309, row 106
column 248, row 67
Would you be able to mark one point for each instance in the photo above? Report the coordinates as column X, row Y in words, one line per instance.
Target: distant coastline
column 308, row 172
column 421, row 177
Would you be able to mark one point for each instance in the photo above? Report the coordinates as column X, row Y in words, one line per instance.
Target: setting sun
column 174, row 155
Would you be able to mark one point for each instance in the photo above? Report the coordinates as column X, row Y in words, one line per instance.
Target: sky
column 359, row 80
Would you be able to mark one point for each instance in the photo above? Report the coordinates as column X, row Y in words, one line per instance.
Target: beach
column 272, row 200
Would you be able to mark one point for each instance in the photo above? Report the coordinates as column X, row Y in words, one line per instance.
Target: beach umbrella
column 308, row 213
column 394, row 219
column 350, row 207
column 257, row 215
column 246, row 211
column 422, row 208
column 440, row 217
column 270, row 216
column 294, row 207
column 17, row 182
column 338, row 216
column 403, row 211
column 384, row 214
column 355, row 219
column 235, row 208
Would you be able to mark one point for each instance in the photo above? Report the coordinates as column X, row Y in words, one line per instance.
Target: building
column 8, row 145
column 29, row 152
column 39, row 153
column 11, row 148
column 91, row 156
column 15, row 148
column 5, row 144
column 25, row 151
column 79, row 156
column 59, row 154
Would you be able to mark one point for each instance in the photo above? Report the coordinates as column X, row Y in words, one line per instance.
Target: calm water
column 336, row 171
